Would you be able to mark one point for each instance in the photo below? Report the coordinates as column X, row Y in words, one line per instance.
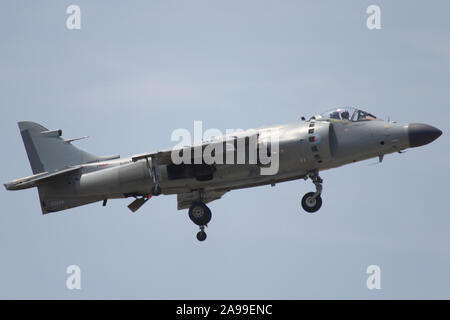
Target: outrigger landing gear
column 311, row 202
column 153, row 165
column 156, row 190
column 200, row 214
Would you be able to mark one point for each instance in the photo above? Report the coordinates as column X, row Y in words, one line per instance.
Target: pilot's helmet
column 345, row 115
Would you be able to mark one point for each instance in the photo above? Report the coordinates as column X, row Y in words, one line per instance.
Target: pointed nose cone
column 421, row 134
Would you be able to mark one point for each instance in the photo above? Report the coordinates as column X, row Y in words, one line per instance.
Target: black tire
column 201, row 236
column 309, row 205
column 156, row 191
column 199, row 213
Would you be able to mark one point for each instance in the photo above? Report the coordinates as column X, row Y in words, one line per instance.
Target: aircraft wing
column 38, row 179
column 162, row 157
column 165, row 156
column 227, row 144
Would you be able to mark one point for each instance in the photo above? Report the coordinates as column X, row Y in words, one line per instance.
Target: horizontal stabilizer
column 38, row 179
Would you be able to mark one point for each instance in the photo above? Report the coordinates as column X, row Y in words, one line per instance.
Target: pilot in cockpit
column 345, row 115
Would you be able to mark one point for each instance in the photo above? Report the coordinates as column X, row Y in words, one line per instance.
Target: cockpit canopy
column 348, row 113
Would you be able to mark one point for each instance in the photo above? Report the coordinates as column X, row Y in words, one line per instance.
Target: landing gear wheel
column 311, row 204
column 199, row 213
column 156, row 191
column 201, row 236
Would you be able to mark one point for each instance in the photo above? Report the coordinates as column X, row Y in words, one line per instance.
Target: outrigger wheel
column 156, row 191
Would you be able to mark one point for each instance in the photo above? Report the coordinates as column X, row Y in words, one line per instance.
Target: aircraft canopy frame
column 347, row 113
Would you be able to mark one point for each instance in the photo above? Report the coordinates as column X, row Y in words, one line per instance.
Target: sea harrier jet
column 67, row 177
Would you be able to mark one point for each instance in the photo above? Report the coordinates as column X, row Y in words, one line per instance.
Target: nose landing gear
column 311, row 202
column 200, row 214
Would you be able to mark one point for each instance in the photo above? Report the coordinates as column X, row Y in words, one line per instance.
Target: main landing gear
column 200, row 214
column 311, row 202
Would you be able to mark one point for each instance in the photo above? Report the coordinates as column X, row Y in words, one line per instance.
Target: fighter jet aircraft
column 68, row 177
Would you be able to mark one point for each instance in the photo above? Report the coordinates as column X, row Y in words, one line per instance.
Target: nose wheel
column 312, row 201
column 200, row 214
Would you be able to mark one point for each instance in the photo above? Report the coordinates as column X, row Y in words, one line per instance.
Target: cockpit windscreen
column 349, row 114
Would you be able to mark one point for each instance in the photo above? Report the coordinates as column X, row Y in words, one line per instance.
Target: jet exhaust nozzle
column 420, row 134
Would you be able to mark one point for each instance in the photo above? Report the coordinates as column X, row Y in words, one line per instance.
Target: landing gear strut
column 200, row 214
column 311, row 202
column 153, row 165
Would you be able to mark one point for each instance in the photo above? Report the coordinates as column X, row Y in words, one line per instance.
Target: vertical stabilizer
column 47, row 151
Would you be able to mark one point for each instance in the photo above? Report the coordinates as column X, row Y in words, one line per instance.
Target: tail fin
column 47, row 151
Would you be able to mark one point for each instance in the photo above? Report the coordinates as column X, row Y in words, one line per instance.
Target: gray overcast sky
column 137, row 70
